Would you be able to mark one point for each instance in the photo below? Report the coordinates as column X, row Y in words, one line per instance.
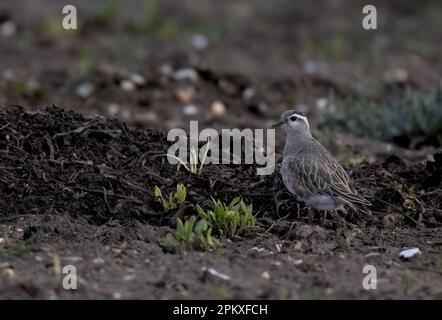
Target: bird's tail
column 362, row 208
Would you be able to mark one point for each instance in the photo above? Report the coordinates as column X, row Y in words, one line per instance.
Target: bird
column 311, row 174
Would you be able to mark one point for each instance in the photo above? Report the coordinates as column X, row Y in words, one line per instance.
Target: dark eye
column 293, row 118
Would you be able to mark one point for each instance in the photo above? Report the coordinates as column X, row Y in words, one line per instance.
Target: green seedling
column 193, row 164
column 229, row 220
column 174, row 199
column 193, row 233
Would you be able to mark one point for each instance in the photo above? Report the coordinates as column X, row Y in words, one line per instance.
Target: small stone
column 199, row 41
column 8, row 28
column 310, row 67
column 113, row 109
column 185, row 95
column 127, row 85
column 248, row 93
column 218, row 108
column 266, row 275
column 409, row 253
column 190, row 110
column 298, row 262
column 321, row 103
column 186, row 74
column 138, row 79
column 212, row 274
column 84, row 90
column 2, row 240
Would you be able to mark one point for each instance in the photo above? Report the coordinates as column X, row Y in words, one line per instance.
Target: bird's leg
column 298, row 208
column 310, row 215
column 323, row 217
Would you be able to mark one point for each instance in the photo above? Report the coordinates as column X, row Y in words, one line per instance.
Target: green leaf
column 200, row 227
column 171, row 204
column 158, row 193
column 180, row 229
column 181, row 193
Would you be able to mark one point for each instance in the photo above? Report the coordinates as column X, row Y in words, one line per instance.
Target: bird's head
column 294, row 122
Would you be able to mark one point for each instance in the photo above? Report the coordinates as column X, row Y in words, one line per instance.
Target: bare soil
column 80, row 154
column 80, row 188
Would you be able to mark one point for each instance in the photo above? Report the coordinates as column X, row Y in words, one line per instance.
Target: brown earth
column 80, row 188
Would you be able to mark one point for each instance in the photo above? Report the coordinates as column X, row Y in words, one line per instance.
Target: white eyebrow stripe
column 303, row 118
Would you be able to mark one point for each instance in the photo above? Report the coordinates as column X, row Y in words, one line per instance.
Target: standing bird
column 310, row 172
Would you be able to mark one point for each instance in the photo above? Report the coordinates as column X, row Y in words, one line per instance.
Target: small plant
column 229, row 220
column 193, row 164
column 411, row 119
column 175, row 198
column 193, row 233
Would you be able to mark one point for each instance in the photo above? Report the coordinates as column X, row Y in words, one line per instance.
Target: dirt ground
column 83, row 124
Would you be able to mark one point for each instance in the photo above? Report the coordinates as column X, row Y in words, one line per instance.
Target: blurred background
column 236, row 64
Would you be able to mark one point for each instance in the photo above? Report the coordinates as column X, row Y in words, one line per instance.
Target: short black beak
column 277, row 125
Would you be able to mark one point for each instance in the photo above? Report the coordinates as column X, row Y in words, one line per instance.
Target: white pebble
column 215, row 273
column 186, row 74
column 84, row 90
column 199, row 41
column 248, row 93
column 138, row 79
column 8, row 28
column 127, row 85
column 190, row 110
column 266, row 275
column 409, row 253
column 218, row 108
